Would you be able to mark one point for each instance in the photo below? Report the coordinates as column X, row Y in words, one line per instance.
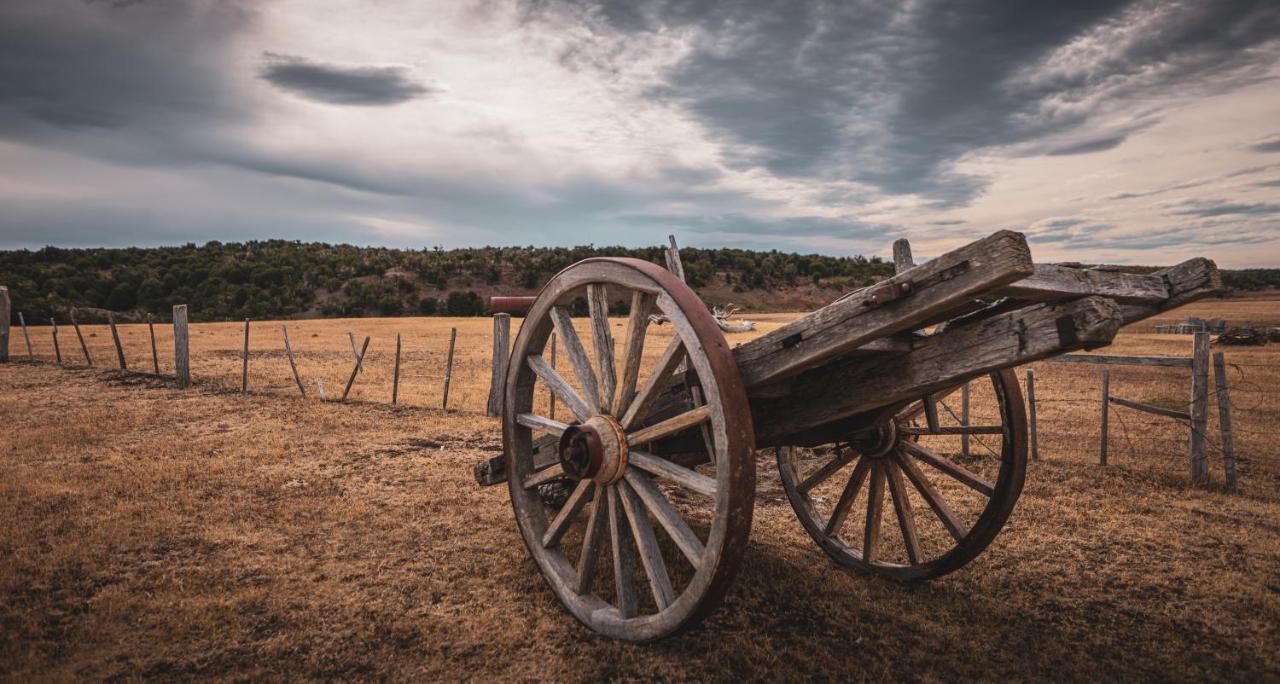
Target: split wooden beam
column 848, row 387
column 1051, row 282
column 1186, row 282
column 904, row 302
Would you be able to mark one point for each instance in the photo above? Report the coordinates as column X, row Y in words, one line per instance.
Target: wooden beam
column 1051, row 282
column 501, row 352
column 902, row 255
column 898, row 304
column 1174, row 361
column 1188, row 281
column 844, row 388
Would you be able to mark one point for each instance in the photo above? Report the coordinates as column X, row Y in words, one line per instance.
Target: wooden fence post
column 293, row 364
column 320, row 387
column 395, row 378
column 25, row 338
column 244, row 363
column 673, row 258
column 553, row 366
column 448, row 368
column 115, row 335
column 902, row 255
column 155, row 355
column 356, row 370
column 83, row 347
column 1106, row 410
column 4, row 323
column 359, row 361
column 964, row 419
column 1199, row 406
column 501, row 349
column 57, row 351
column 181, row 346
column 1031, row 404
column 1224, row 422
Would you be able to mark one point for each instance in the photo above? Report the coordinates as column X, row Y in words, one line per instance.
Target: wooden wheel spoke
column 647, row 544
column 670, row 426
column 686, row 477
column 602, row 340
column 847, row 497
column 906, row 517
column 666, row 515
column 930, row 495
column 875, row 510
column 637, row 327
column 543, row 476
column 591, row 542
column 577, row 357
column 825, row 472
column 567, row 513
column 536, row 422
column 951, row 468
column 655, row 383
column 624, row 556
column 577, row 405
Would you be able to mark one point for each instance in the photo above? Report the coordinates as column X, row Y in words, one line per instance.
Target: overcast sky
column 1143, row 132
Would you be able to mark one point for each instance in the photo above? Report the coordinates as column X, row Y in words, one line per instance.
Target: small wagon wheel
column 659, row 461
column 946, row 470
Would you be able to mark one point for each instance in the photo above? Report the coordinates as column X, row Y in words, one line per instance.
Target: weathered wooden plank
column 844, row 388
column 1224, row 422
column 1186, row 282
column 1148, row 408
column 1200, row 407
column 898, row 304
column 902, row 255
column 1052, row 282
column 1171, row 361
column 181, row 346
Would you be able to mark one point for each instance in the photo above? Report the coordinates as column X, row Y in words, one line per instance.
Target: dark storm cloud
column 342, row 84
column 893, row 97
column 1268, row 146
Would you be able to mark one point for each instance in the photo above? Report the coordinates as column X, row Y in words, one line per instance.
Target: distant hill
column 283, row 279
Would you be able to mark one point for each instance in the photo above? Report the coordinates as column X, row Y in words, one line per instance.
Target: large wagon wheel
column 677, row 522
column 947, row 505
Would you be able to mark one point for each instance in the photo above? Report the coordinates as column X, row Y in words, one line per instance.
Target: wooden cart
column 902, row 390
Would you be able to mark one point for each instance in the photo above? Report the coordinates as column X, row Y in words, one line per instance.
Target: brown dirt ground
column 157, row 533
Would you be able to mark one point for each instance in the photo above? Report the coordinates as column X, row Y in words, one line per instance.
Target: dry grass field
column 158, row 533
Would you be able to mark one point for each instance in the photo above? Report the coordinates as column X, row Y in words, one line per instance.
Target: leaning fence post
column 1224, row 422
column 115, row 335
column 1106, row 408
column 23, row 322
column 1031, row 404
column 57, row 351
column 395, row 377
column 293, row 364
column 964, row 419
column 4, row 323
column 155, row 355
column 448, row 368
column 1199, row 406
column 359, row 362
column 83, row 347
column 501, row 348
column 244, row 360
column 356, row 370
column 181, row 346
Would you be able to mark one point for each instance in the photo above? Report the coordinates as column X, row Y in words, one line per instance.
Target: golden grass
column 152, row 532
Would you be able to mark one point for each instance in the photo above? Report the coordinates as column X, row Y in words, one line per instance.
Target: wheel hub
column 594, row 450
column 877, row 441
